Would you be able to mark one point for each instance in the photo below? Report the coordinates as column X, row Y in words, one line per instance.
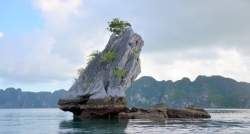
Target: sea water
column 53, row 121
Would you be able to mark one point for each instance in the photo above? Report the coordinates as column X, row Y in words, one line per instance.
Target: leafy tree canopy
column 118, row 25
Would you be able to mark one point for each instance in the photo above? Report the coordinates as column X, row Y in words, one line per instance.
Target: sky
column 44, row 42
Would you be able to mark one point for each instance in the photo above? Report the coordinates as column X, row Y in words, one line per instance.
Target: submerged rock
column 189, row 112
column 99, row 90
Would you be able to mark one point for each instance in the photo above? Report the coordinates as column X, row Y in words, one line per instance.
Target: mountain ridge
column 16, row 98
column 205, row 91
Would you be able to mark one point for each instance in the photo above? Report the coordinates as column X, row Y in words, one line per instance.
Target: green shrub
column 119, row 72
column 79, row 72
column 136, row 51
column 110, row 56
column 92, row 56
column 112, row 49
column 90, row 80
column 138, row 59
column 117, row 25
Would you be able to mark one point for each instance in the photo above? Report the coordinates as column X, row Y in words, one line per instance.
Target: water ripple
column 55, row 121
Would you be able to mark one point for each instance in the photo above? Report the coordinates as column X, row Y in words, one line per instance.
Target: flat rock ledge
column 106, row 108
column 189, row 112
column 146, row 113
column 143, row 113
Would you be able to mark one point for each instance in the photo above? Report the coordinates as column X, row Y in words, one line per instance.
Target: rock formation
column 99, row 90
column 144, row 113
column 189, row 112
column 159, row 111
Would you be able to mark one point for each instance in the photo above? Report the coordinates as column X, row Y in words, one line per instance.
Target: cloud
column 182, row 39
column 228, row 63
column 53, row 53
column 33, row 61
column 1, row 34
column 57, row 13
column 195, row 25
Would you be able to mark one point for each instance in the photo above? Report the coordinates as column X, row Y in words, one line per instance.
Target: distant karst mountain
column 15, row 98
column 209, row 92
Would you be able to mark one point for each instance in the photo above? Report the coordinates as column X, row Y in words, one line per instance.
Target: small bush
column 119, row 72
column 138, row 59
column 117, row 25
column 90, row 80
column 112, row 49
column 110, row 56
column 136, row 51
column 92, row 56
column 79, row 72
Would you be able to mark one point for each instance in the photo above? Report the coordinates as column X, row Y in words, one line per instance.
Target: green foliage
column 90, row 80
column 112, row 49
column 92, row 56
column 138, row 59
column 79, row 72
column 117, row 25
column 136, row 51
column 110, row 56
column 119, row 72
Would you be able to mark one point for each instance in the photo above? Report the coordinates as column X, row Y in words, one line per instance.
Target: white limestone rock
column 98, row 80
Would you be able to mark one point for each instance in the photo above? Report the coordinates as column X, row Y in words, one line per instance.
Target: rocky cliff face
column 99, row 90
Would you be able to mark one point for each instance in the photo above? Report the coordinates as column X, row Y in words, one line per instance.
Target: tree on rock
column 118, row 25
column 79, row 72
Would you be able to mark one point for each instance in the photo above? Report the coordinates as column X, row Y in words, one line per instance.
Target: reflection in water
column 93, row 126
column 222, row 121
column 55, row 121
column 147, row 122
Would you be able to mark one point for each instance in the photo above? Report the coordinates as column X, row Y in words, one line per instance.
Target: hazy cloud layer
column 1, row 34
column 182, row 39
column 229, row 63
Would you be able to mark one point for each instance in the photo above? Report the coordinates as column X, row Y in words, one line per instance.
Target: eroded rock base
column 117, row 108
column 146, row 113
column 189, row 112
column 143, row 113
column 96, row 108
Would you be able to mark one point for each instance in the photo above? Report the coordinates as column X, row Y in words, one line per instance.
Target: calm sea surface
column 32, row 121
